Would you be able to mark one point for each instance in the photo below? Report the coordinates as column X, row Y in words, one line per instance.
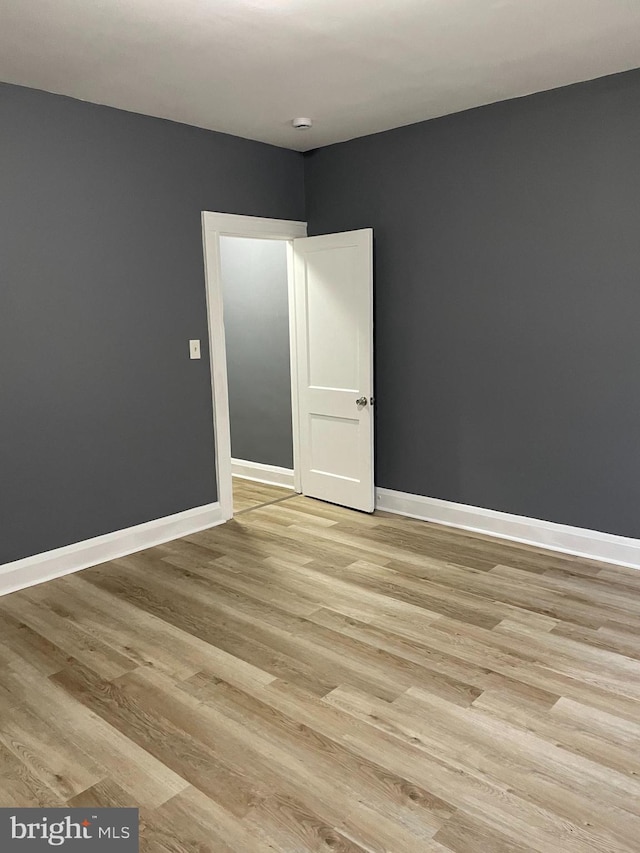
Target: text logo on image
column 86, row 830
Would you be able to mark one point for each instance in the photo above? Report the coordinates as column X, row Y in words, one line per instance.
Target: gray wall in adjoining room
column 104, row 421
column 256, row 323
column 507, row 243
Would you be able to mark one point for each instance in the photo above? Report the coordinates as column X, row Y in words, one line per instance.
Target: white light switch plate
column 194, row 349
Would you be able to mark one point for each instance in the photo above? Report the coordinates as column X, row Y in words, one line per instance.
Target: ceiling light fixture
column 302, row 123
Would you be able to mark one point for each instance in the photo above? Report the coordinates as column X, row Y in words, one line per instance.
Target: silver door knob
column 361, row 401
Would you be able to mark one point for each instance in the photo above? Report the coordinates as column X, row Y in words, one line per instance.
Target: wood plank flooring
column 306, row 678
column 249, row 494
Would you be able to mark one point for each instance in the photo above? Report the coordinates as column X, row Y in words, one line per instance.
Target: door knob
column 361, row 401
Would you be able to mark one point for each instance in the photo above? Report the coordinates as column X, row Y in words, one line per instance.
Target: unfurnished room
column 320, row 426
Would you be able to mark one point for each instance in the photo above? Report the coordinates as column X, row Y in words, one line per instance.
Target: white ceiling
column 248, row 67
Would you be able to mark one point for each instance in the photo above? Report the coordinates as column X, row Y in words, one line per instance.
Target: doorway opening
column 255, row 284
column 292, row 413
column 216, row 228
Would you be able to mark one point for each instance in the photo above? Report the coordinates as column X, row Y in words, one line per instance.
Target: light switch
column 194, row 349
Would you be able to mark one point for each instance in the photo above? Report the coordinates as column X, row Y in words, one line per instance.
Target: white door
column 334, row 339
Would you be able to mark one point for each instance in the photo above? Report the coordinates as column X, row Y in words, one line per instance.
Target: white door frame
column 214, row 226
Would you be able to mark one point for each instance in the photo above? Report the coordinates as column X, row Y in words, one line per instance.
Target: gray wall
column 104, row 421
column 256, row 322
column 507, row 245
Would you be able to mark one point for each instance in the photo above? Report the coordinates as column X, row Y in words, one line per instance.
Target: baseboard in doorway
column 100, row 549
column 577, row 541
column 272, row 475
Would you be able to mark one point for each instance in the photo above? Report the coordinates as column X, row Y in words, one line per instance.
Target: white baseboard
column 272, row 475
column 577, row 541
column 100, row 549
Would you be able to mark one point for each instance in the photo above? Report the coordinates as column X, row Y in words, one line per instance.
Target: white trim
column 272, row 475
column 218, row 368
column 110, row 546
column 578, row 541
column 234, row 225
column 215, row 225
column 293, row 361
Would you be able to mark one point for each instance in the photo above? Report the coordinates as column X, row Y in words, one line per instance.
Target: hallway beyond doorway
column 249, row 494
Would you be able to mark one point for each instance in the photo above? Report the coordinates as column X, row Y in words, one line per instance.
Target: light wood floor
column 247, row 494
column 305, row 678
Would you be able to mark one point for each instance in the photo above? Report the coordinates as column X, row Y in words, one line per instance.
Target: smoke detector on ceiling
column 302, row 123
